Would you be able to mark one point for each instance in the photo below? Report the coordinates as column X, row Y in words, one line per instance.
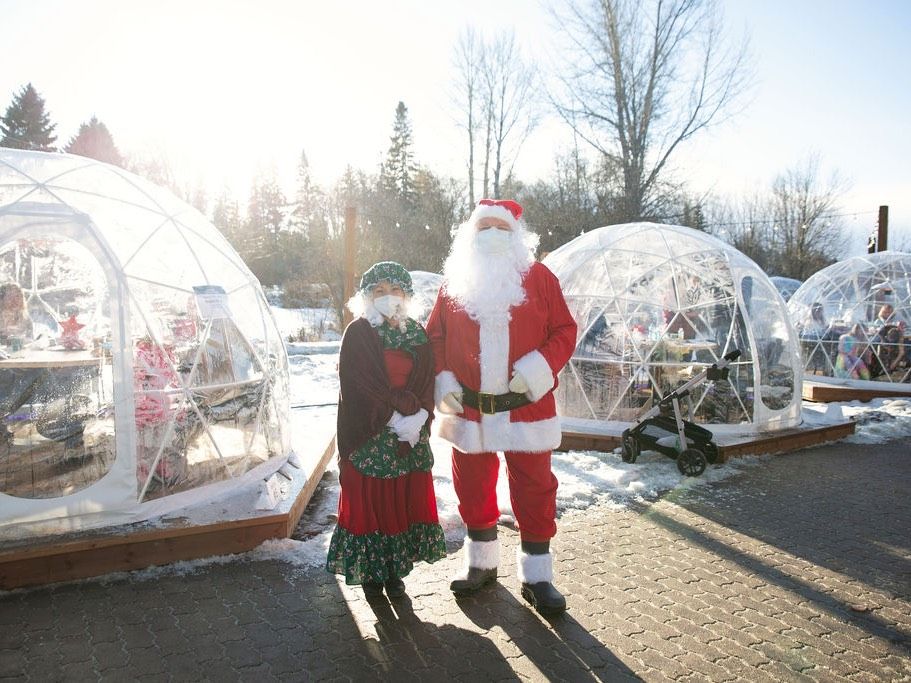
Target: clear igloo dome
column 655, row 304
column 854, row 321
column 786, row 286
column 139, row 363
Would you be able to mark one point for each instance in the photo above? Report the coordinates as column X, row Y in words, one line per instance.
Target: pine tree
column 399, row 168
column 26, row 125
column 226, row 217
column 308, row 215
column 95, row 141
column 265, row 219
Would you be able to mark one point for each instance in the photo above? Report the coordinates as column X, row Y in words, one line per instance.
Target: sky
column 228, row 90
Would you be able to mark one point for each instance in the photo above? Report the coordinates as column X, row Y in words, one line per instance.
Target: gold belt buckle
column 487, row 403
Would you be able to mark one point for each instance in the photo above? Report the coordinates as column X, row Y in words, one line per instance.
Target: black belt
column 488, row 404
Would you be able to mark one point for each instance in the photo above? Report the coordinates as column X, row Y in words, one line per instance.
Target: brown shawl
column 366, row 400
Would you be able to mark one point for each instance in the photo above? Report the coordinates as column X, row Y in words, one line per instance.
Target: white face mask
column 493, row 240
column 390, row 306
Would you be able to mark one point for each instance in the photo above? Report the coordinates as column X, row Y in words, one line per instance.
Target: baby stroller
column 681, row 440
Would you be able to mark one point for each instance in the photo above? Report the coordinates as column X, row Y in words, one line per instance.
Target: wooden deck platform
column 763, row 443
column 99, row 551
column 825, row 393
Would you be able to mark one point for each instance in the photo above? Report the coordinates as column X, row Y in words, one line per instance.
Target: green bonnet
column 391, row 272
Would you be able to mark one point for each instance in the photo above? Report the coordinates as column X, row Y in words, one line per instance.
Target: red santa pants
column 532, row 491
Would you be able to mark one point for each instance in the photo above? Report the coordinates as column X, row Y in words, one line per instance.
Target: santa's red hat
column 504, row 209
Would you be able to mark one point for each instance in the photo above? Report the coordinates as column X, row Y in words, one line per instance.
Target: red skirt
column 388, row 506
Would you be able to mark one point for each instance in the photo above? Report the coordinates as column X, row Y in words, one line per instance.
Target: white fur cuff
column 482, row 554
column 536, row 371
column 535, row 568
column 445, row 383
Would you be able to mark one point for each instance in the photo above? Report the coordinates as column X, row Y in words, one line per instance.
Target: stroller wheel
column 691, row 462
column 629, row 450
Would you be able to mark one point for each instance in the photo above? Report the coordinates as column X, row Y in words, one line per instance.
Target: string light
column 771, row 221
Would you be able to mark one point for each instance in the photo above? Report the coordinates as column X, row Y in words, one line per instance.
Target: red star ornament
column 70, row 338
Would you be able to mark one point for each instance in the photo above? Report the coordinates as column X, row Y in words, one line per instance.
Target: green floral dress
column 387, row 508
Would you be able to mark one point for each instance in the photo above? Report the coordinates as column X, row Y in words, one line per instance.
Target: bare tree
column 495, row 95
column 746, row 225
column 645, row 76
column 511, row 102
column 790, row 229
column 468, row 96
column 806, row 231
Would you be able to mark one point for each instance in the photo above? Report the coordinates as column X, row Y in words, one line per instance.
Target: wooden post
column 882, row 229
column 350, row 250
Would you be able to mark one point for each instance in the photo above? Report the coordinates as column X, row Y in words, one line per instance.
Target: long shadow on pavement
column 560, row 650
column 841, row 506
column 407, row 646
column 831, row 508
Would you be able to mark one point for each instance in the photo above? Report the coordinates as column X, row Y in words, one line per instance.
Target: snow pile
column 878, row 421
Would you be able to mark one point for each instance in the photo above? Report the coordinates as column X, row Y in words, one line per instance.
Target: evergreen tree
column 399, row 169
column 26, row 125
column 226, row 217
column 308, row 214
column 95, row 141
column 693, row 216
column 265, row 220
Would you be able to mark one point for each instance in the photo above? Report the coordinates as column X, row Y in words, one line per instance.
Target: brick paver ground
column 796, row 569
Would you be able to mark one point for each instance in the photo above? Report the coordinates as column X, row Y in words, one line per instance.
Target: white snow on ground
column 315, row 323
column 879, row 420
column 314, row 379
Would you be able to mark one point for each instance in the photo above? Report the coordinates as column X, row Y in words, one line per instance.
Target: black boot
column 395, row 587
column 472, row 579
column 372, row 589
column 536, row 573
column 482, row 555
column 544, row 598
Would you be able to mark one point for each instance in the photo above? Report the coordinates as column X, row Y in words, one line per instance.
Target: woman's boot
column 395, row 587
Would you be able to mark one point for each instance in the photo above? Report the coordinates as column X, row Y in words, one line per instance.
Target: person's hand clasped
column 408, row 427
column 453, row 401
column 518, row 383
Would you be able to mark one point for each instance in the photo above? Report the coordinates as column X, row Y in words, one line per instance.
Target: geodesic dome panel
column 786, row 286
column 853, row 320
column 426, row 287
column 654, row 305
column 144, row 369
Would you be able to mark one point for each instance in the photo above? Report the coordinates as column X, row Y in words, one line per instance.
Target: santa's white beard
column 487, row 285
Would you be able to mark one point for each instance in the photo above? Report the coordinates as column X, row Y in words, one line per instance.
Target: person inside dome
column 848, row 365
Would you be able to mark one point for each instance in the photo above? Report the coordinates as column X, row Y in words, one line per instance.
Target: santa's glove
column 518, row 383
column 453, row 401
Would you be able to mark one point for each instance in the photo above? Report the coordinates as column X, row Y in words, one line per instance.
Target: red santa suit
column 535, row 338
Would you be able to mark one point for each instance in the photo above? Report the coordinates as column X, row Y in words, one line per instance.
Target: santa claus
column 501, row 332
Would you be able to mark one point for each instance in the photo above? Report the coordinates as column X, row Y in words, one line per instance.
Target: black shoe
column 372, row 589
column 544, row 598
column 472, row 580
column 395, row 587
